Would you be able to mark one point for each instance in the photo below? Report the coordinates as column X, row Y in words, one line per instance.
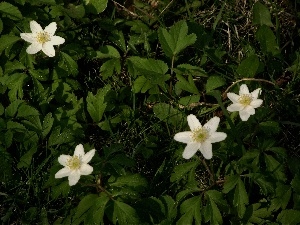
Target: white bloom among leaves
column 245, row 103
column 76, row 165
column 200, row 137
column 42, row 39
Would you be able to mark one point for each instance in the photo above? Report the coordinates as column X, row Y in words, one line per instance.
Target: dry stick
column 165, row 8
column 251, row 79
column 125, row 9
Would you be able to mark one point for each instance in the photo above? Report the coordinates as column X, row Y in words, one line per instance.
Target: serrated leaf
column 96, row 105
column 256, row 214
column 181, row 170
column 270, row 127
column 7, row 41
column 68, row 64
column 98, row 209
column 135, row 181
column 187, row 85
column 124, row 214
column 15, row 126
column 83, row 207
column 267, row 40
column 25, row 160
column 230, row 182
column 248, row 66
column 141, row 84
column 282, row 197
column 75, row 11
column 275, row 167
column 176, row 40
column 289, row 216
column 108, row 68
column 11, row 11
column 240, row 198
column 190, row 210
column 47, row 124
column 212, row 213
column 96, row 6
column 57, row 137
column 214, row 82
column 107, row 51
column 25, row 110
column 166, row 112
column 261, row 15
column 12, row 109
column 153, row 70
column 189, row 100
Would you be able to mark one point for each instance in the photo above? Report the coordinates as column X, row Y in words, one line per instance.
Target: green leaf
column 289, row 216
column 47, row 124
column 181, row 170
column 95, row 6
column 230, row 182
column 124, row 214
column 25, row 110
column 107, row 51
column 261, row 15
column 296, row 184
column 57, row 137
column 186, row 85
column 75, row 11
column 164, row 111
column 152, row 69
column 282, row 197
column 11, row 11
column 15, row 83
column 240, row 198
column 12, row 109
column 275, row 167
column 176, row 39
column 83, row 207
column 214, row 82
column 257, row 215
column 212, row 213
column 248, row 66
column 135, row 181
column 270, row 127
column 109, row 67
column 7, row 41
column 189, row 100
column 142, row 84
column 68, row 64
column 15, row 126
column 25, row 160
column 187, row 69
column 267, row 40
column 97, row 211
column 96, row 105
column 190, row 210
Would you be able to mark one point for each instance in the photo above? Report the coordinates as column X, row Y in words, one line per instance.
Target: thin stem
column 208, row 170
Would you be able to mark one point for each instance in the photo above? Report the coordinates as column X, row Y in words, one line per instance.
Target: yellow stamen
column 245, row 99
column 74, row 163
column 200, row 134
column 43, row 37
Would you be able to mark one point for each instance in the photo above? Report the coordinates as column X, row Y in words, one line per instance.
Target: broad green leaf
column 275, row 167
column 248, row 66
column 107, row 51
column 15, row 83
column 289, row 216
column 8, row 137
column 97, row 211
column 1, row 109
column 25, row 110
column 12, row 109
column 261, row 15
column 190, row 210
column 135, row 181
column 83, row 207
column 212, row 213
column 256, row 214
column 15, row 126
column 176, row 40
column 25, row 160
column 188, row 100
column 166, row 112
column 33, row 123
column 282, row 197
column 230, row 182
column 187, row 69
column 63, row 188
column 68, row 64
column 108, row 68
column 58, row 137
column 11, row 11
column 96, row 105
column 214, row 82
column 142, row 84
column 124, row 214
column 296, row 184
column 75, row 11
column 187, row 85
column 240, row 198
column 267, row 40
column 270, row 127
column 181, row 170
column 1, row 26
column 7, row 41
column 13, row 66
column 153, row 70
column 217, row 197
column 47, row 124
column 95, row 6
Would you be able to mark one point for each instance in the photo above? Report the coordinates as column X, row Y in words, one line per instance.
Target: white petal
column 206, row 149
column 88, row 156
column 233, row 97
column 217, row 137
column 193, row 122
column 212, row 124
column 235, row 107
column 184, row 137
column 74, row 177
column 63, row 159
column 244, row 90
column 250, row 110
column 244, row 115
column 48, row 49
column 35, row 27
column 28, row 37
column 256, row 103
column 86, row 169
column 255, row 93
column 56, row 40
column 190, row 150
column 51, row 28
column 64, row 172
column 34, row 48
column 79, row 151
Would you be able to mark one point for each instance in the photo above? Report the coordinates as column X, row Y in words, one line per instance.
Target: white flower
column 245, row 103
column 42, row 39
column 200, row 137
column 76, row 165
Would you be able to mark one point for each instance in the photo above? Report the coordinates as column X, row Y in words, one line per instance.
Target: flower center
column 74, row 163
column 245, row 99
column 200, row 134
column 43, row 37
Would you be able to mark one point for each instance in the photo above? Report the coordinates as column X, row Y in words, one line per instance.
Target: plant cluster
column 127, row 81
